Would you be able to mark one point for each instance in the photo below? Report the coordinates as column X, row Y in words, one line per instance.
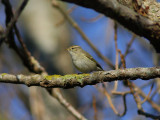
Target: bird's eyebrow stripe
column 74, row 47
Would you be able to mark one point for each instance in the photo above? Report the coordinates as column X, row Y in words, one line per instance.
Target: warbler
column 82, row 60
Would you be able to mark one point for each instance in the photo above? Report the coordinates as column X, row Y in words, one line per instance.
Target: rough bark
column 73, row 80
column 137, row 23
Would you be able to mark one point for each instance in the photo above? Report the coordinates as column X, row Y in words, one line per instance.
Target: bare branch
column 135, row 22
column 117, row 55
column 73, row 80
column 148, row 115
column 14, row 19
column 57, row 94
column 145, row 99
column 129, row 45
column 94, row 108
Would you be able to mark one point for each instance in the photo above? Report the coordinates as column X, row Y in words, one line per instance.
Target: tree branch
column 73, row 80
column 29, row 61
column 133, row 21
column 14, row 19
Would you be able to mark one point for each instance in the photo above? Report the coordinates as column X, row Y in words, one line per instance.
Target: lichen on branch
column 81, row 80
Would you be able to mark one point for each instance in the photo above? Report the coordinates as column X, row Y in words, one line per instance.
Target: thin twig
column 154, row 93
column 124, row 104
column 116, row 47
column 10, row 37
column 94, row 107
column 27, row 53
column 145, row 99
column 29, row 61
column 140, row 92
column 93, row 19
column 131, row 85
column 13, row 20
column 147, row 84
column 148, row 115
column 135, row 95
column 67, row 105
column 121, row 93
column 128, row 47
column 122, row 59
column 105, row 92
column 72, row 8
column 63, row 20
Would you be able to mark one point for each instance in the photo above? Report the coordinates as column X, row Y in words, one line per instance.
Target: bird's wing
column 89, row 56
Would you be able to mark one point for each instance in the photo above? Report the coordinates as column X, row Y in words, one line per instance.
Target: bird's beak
column 67, row 49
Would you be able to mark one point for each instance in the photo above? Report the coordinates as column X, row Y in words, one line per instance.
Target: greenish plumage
column 82, row 60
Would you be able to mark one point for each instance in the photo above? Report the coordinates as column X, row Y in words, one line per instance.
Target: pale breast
column 85, row 65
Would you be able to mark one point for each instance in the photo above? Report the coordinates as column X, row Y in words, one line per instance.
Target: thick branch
column 125, row 16
column 73, row 80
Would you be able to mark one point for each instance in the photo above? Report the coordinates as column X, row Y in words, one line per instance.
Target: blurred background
column 47, row 35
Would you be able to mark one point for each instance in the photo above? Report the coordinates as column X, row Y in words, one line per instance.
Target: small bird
column 82, row 60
